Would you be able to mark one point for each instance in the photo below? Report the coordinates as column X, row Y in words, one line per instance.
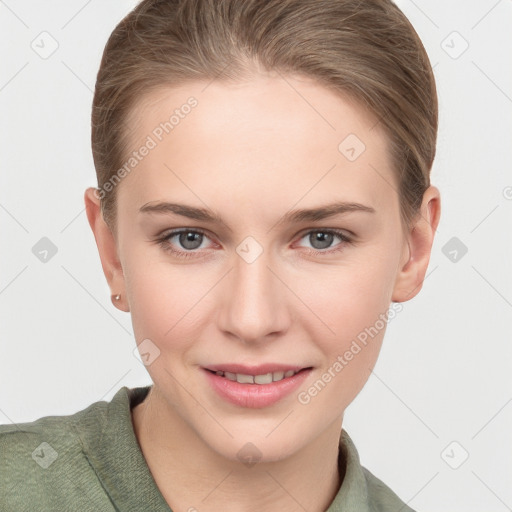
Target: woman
column 263, row 207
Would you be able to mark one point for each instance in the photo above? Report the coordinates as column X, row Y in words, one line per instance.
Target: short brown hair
column 367, row 50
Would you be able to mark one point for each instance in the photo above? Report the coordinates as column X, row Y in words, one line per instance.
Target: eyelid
column 168, row 233
column 339, row 231
column 163, row 240
column 345, row 240
column 342, row 236
column 175, row 231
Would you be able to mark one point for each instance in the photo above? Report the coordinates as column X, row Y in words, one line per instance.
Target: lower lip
column 255, row 396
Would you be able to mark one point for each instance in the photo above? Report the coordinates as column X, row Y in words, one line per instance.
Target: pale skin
column 251, row 152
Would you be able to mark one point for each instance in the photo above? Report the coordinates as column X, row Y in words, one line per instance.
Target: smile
column 255, row 387
column 265, row 378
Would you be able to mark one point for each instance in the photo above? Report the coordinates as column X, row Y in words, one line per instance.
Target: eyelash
column 166, row 245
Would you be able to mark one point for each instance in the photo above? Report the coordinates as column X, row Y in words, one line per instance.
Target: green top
column 91, row 461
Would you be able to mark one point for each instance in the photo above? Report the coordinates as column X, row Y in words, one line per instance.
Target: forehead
column 289, row 105
column 258, row 138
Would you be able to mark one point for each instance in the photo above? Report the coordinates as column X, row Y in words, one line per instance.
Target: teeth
column 263, row 379
column 244, row 379
column 266, row 378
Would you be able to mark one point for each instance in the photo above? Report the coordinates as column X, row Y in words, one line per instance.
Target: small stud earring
column 117, row 297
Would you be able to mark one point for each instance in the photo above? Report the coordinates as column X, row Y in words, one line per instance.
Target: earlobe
column 412, row 272
column 107, row 248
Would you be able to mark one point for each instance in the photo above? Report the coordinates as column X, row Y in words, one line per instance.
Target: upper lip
column 260, row 369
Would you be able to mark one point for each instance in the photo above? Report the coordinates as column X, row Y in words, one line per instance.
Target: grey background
column 441, row 390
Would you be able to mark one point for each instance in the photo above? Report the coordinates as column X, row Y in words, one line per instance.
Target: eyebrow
column 293, row 216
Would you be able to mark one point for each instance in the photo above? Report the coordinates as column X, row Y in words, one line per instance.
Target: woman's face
column 264, row 278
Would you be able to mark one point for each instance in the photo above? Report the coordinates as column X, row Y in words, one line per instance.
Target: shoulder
column 361, row 487
column 43, row 462
column 18, row 440
column 380, row 497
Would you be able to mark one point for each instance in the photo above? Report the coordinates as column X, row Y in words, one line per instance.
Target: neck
column 193, row 477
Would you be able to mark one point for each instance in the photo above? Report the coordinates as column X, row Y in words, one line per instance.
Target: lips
column 255, row 386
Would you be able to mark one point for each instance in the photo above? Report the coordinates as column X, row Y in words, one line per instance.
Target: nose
column 254, row 308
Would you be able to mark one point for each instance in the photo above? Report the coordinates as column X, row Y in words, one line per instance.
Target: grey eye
column 190, row 239
column 321, row 239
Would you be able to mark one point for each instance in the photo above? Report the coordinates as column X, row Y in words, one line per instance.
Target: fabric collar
column 118, row 449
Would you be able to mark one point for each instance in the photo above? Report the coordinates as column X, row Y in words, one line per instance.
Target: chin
column 258, row 446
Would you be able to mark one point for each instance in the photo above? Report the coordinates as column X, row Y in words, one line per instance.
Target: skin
column 252, row 151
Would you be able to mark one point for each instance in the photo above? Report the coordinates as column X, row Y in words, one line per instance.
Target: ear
column 419, row 240
column 107, row 247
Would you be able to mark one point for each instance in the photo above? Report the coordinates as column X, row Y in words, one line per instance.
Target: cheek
column 337, row 302
column 164, row 301
column 351, row 304
column 352, row 308
column 347, row 298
